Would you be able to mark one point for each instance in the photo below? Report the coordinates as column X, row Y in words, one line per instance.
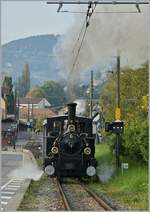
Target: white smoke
column 81, row 106
column 27, row 171
column 107, row 34
column 105, row 172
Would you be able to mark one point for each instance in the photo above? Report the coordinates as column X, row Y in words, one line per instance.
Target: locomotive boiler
column 68, row 145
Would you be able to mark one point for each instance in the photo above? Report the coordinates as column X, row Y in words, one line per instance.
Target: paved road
column 10, row 161
column 12, row 187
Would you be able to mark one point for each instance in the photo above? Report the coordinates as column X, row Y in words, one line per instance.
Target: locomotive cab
column 68, row 145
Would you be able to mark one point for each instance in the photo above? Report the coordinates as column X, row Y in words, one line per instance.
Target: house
column 34, row 102
column 35, row 113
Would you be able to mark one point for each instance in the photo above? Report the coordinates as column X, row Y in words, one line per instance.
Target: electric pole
column 118, row 114
column 118, row 81
column 15, row 104
column 28, row 121
column 32, row 116
column 28, row 111
column 91, row 95
column 32, row 111
column 18, row 104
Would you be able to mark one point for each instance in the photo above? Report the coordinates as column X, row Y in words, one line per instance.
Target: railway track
column 77, row 196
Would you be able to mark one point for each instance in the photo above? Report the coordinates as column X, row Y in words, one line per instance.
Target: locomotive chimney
column 71, row 113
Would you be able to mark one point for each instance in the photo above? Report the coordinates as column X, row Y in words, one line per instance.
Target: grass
column 39, row 162
column 131, row 189
column 30, row 199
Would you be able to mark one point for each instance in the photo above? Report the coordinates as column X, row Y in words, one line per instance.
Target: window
column 56, row 126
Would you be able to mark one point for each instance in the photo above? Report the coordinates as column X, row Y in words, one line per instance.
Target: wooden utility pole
column 118, row 113
column 118, row 81
column 32, row 112
column 91, row 94
column 28, row 111
column 15, row 104
column 18, row 104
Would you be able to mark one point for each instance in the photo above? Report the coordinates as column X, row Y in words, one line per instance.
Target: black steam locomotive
column 69, row 145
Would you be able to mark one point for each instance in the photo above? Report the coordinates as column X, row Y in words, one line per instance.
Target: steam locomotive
column 68, row 145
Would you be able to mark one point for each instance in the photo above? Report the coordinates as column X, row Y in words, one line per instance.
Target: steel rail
column 97, row 198
column 114, row 2
column 66, row 204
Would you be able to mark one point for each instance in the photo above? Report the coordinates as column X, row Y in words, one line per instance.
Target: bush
column 136, row 139
column 134, row 109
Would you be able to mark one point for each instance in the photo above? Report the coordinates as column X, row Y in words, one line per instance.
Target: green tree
column 133, row 87
column 25, row 79
column 23, row 83
column 8, row 95
column 35, row 92
column 39, row 124
column 54, row 92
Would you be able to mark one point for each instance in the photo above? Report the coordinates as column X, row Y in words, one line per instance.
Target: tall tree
column 23, row 83
column 35, row 92
column 25, row 79
column 8, row 95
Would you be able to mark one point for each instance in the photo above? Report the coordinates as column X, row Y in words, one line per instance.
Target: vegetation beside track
column 129, row 190
column 42, row 195
column 134, row 111
column 30, row 199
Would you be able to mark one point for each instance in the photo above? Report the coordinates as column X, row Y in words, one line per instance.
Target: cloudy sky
column 23, row 18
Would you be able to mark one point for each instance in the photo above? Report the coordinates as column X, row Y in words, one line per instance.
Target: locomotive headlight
column 54, row 150
column 91, row 171
column 71, row 128
column 49, row 170
column 87, row 150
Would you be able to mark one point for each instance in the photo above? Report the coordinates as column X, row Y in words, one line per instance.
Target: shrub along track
column 78, row 197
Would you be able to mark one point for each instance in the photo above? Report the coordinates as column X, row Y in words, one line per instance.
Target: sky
column 23, row 19
column 129, row 32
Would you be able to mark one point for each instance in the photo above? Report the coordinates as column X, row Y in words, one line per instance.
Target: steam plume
column 107, row 34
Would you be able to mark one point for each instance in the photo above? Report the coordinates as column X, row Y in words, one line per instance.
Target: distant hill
column 37, row 51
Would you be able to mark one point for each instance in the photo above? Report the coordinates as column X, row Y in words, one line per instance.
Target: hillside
column 36, row 51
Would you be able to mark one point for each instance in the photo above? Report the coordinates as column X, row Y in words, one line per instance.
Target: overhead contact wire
column 79, row 35
column 87, row 24
column 76, row 58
